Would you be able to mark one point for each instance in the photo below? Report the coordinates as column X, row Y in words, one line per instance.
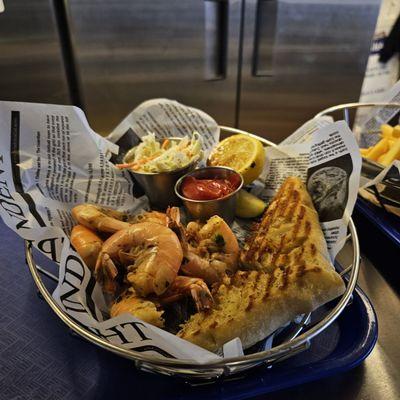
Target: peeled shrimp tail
column 173, row 216
column 87, row 244
column 195, row 287
column 150, row 216
column 174, row 223
column 99, row 218
column 106, row 273
column 197, row 266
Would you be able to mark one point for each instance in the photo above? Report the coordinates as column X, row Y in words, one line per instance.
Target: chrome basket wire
column 345, row 108
column 228, row 366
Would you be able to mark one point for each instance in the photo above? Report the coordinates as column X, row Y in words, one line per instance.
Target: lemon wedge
column 248, row 205
column 242, row 153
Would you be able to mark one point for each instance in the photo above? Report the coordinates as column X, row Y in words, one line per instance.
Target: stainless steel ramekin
column 204, row 209
column 159, row 186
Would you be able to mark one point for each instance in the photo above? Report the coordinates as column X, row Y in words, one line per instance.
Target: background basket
column 371, row 169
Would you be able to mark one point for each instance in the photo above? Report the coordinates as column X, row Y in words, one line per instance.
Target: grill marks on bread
column 288, row 234
column 252, row 304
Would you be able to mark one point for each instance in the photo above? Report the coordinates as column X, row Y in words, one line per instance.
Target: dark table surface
column 39, row 359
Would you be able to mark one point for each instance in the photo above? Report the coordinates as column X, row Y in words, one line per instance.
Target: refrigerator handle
column 264, row 37
column 215, row 39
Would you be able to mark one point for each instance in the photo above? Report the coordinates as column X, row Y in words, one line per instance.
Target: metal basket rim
column 347, row 106
column 225, row 363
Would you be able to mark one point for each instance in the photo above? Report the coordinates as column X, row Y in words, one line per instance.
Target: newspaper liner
column 51, row 160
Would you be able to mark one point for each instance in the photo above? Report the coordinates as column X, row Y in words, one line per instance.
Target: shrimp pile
column 151, row 260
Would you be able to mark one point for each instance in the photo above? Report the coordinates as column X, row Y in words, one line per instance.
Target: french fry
column 380, row 159
column 380, row 148
column 387, row 131
column 396, row 131
column 364, row 152
column 392, row 154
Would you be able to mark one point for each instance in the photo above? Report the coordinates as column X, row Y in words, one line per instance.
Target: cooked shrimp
column 146, row 310
column 151, row 252
column 87, row 244
column 99, row 218
column 195, row 287
column 170, row 218
column 149, row 216
column 211, row 251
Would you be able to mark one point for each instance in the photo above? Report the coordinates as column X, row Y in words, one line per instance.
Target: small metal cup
column 159, row 186
column 204, row 209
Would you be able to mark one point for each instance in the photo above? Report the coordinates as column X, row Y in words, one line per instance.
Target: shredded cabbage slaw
column 151, row 156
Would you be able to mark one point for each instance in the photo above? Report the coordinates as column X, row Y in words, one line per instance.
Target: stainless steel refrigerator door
column 299, row 57
column 30, row 55
column 131, row 51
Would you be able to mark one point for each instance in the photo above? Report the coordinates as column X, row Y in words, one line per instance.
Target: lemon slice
column 242, row 153
column 248, row 205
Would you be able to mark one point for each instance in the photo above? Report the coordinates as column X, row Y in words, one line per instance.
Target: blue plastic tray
column 379, row 235
column 344, row 345
column 388, row 224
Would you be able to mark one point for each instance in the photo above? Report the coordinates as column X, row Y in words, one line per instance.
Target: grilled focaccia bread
column 293, row 276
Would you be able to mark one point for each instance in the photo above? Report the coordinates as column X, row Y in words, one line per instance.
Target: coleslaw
column 151, row 156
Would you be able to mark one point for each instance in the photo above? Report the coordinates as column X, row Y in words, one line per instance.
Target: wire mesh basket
column 297, row 336
column 370, row 169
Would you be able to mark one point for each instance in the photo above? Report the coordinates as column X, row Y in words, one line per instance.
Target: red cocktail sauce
column 209, row 189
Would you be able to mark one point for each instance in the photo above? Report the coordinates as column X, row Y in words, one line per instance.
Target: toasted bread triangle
column 290, row 274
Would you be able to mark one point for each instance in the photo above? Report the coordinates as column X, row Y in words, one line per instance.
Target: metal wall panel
column 299, row 57
column 131, row 51
column 31, row 66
